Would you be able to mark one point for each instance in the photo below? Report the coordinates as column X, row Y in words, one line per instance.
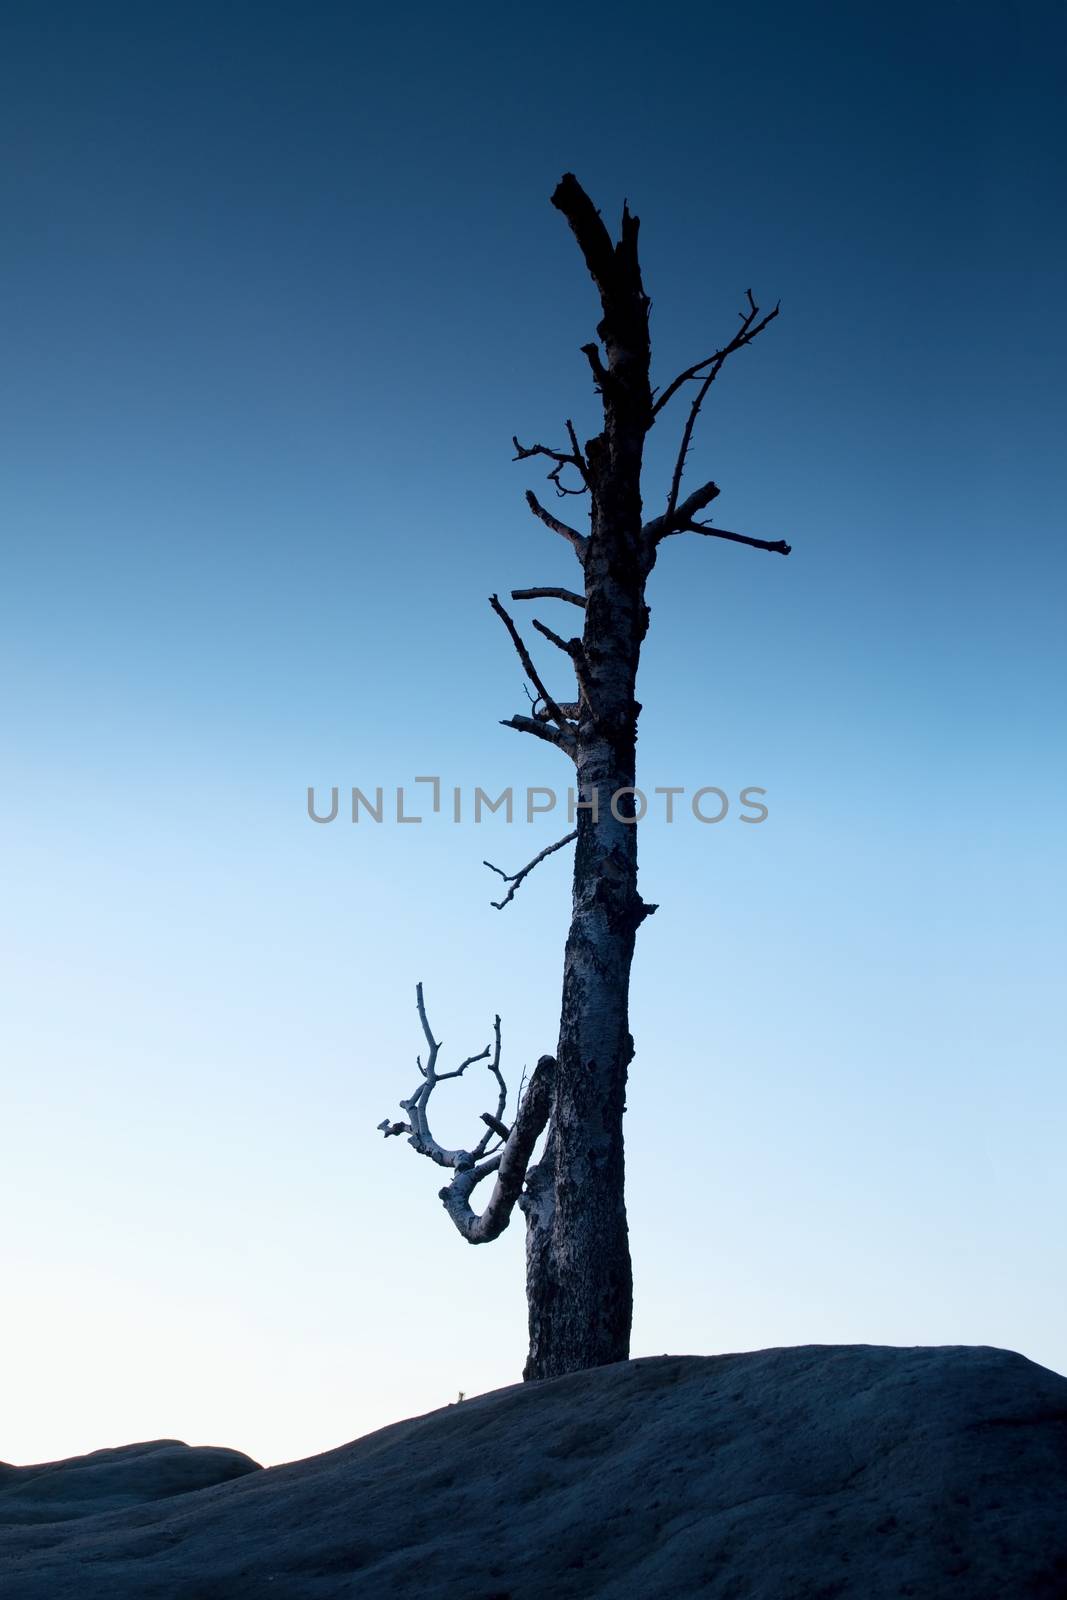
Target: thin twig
column 738, row 342
column 515, row 879
column 745, row 336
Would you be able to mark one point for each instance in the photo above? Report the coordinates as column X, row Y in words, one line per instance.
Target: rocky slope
column 858, row 1472
column 111, row 1480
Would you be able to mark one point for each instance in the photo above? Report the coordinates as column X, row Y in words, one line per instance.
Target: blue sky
column 280, row 283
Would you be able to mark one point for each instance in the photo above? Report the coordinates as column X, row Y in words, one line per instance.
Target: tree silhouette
column 579, row 1282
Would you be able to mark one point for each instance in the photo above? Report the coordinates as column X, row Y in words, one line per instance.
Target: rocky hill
column 858, row 1472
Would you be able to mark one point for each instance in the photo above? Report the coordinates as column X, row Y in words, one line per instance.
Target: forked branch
column 509, row 1159
column 512, row 1164
column 516, row 879
column 659, row 527
column 750, row 329
column 528, row 667
column 562, row 458
column 750, row 326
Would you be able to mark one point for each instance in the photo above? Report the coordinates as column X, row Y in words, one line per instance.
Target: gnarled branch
column 418, row 1129
column 563, row 458
column 511, row 1164
column 509, row 1159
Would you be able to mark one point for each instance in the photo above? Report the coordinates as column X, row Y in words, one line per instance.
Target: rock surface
column 816, row 1473
column 111, row 1480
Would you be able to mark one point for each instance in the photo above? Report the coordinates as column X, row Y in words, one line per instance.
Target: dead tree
column 579, row 1284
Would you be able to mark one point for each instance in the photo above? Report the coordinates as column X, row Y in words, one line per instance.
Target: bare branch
column 515, row 879
column 528, row 667
column 510, row 1165
column 747, row 333
column 565, row 531
column 493, row 1123
column 571, row 710
column 418, row 1130
column 575, row 650
column 523, row 452
column 778, row 546
column 574, row 458
column 542, row 730
column 683, row 448
column 583, row 465
column 659, row 527
column 461, row 1069
column 745, row 336
column 510, row 1159
column 570, row 647
column 549, row 594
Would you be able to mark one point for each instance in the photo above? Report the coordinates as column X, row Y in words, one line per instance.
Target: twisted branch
column 563, row 458
column 511, row 1165
column 509, row 1159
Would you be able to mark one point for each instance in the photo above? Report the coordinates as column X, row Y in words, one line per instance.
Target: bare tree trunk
column 580, row 1287
column 578, row 1276
column 579, row 1284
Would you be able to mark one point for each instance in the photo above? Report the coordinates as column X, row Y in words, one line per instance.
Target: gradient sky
column 280, row 282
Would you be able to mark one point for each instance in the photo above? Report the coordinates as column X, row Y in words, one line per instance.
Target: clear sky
column 279, row 283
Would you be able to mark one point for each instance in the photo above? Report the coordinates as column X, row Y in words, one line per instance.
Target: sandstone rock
column 109, row 1480
column 816, row 1473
